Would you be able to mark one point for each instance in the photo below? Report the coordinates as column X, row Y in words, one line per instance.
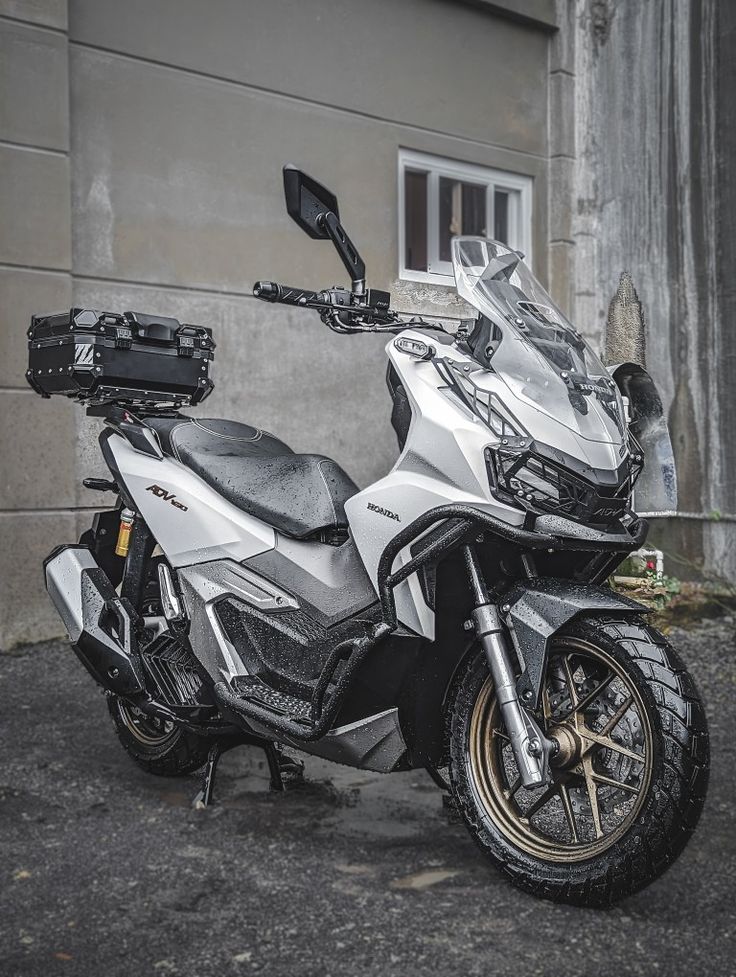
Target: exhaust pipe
column 100, row 624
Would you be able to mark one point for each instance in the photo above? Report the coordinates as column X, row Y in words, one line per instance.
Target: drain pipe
column 695, row 516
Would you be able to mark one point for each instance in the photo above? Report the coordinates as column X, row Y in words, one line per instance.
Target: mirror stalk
column 346, row 249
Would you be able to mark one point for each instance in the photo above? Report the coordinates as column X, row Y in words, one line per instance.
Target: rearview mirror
column 314, row 208
column 307, row 201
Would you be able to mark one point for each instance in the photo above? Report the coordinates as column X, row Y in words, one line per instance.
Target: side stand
column 278, row 764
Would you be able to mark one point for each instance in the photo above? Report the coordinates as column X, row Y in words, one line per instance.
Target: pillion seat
column 299, row 495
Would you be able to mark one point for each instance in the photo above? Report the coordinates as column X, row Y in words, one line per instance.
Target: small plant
column 642, row 576
column 660, row 588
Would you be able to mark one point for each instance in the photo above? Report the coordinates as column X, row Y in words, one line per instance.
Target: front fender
column 537, row 610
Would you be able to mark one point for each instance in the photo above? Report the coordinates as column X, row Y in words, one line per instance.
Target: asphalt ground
column 109, row 872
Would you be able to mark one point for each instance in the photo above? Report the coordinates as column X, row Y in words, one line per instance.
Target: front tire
column 158, row 747
column 630, row 775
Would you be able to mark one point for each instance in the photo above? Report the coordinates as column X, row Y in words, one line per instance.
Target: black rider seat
column 299, row 495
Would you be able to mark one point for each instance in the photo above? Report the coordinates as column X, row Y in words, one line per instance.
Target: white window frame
column 517, row 186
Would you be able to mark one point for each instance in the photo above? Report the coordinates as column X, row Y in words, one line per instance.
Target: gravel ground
column 108, row 872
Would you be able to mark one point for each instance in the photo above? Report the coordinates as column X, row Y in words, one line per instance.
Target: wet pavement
column 109, row 872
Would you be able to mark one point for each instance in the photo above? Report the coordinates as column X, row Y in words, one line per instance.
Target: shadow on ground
column 108, row 872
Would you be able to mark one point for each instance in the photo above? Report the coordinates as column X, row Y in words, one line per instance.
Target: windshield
column 529, row 343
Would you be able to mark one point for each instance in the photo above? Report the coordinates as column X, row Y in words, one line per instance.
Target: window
column 439, row 198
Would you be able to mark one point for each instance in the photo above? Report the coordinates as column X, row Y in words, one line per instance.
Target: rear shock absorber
column 136, row 544
column 127, row 517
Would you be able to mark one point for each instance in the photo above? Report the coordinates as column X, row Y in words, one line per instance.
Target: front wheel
column 629, row 776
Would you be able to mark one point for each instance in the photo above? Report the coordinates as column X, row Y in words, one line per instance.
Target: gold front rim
column 602, row 770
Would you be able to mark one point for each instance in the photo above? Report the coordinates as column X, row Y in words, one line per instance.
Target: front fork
column 532, row 749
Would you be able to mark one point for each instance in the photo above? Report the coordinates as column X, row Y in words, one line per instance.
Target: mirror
column 307, row 200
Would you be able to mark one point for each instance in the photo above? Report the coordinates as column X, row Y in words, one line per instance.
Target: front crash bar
column 471, row 520
column 464, row 522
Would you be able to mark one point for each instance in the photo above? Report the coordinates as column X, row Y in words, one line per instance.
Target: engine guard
column 537, row 610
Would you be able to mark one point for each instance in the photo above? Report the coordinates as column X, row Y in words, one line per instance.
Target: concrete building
column 141, row 146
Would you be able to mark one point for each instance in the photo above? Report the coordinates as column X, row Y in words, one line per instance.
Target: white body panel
column 210, row 528
column 443, row 462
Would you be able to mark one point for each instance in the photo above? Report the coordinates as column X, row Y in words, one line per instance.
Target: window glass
column 462, row 211
column 501, row 216
column 415, row 217
column 443, row 198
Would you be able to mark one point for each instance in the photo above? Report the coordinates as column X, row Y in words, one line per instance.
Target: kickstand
column 278, row 764
column 281, row 765
column 274, row 766
column 220, row 746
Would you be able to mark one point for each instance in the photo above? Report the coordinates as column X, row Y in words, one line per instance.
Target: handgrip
column 285, row 294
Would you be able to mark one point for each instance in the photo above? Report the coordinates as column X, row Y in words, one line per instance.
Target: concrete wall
column 37, row 470
column 653, row 191
column 141, row 146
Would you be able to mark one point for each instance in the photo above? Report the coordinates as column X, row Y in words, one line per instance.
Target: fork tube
column 531, row 748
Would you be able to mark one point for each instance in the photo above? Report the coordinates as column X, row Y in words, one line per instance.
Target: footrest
column 254, row 690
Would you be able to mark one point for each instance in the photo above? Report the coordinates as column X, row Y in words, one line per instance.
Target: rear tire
column 651, row 805
column 157, row 747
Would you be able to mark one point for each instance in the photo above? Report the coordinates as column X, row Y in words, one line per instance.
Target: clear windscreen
column 526, row 339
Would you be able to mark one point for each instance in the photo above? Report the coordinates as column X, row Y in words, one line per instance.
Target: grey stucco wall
column 36, row 471
column 653, row 192
column 140, row 168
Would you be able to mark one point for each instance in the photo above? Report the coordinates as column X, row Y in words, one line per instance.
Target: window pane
column 474, row 209
column 415, row 220
column 462, row 211
column 501, row 216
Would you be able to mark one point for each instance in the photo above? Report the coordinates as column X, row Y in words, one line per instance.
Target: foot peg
column 280, row 766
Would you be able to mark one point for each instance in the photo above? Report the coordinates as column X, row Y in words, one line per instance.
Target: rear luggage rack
column 129, row 358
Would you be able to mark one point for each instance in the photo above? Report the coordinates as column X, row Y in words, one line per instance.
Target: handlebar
column 340, row 309
column 286, row 294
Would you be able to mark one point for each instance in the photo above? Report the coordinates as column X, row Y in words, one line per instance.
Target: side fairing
column 443, row 461
column 201, row 526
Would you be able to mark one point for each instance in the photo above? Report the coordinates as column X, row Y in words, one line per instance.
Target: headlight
column 521, row 472
column 531, row 480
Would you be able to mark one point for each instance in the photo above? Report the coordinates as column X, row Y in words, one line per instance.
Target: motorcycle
column 454, row 615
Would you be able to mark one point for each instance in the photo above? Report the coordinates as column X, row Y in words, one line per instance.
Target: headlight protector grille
column 528, row 478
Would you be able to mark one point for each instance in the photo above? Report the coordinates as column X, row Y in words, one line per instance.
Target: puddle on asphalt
column 333, row 798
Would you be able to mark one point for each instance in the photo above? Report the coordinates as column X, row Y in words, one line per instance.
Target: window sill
column 427, row 278
column 429, row 298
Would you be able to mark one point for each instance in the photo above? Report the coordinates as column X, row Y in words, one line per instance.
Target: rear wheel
column 629, row 776
column 159, row 747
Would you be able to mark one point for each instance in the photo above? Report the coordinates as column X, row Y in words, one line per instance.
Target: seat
column 299, row 495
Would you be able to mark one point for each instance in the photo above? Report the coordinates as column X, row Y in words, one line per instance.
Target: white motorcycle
column 452, row 616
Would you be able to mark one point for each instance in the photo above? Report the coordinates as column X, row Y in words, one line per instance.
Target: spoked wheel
column 629, row 774
column 159, row 747
column 601, row 770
